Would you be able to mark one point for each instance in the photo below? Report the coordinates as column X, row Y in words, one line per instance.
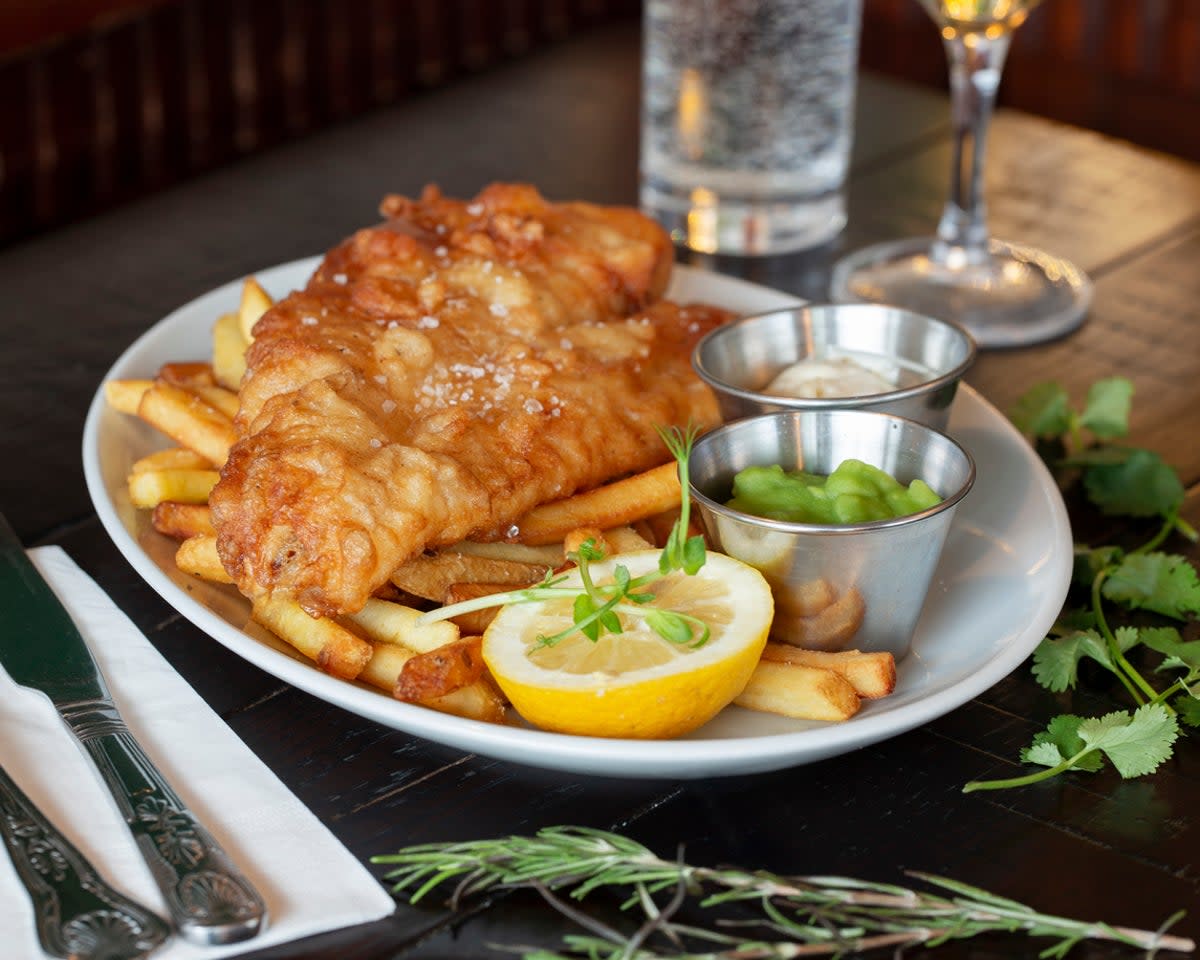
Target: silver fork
column 77, row 914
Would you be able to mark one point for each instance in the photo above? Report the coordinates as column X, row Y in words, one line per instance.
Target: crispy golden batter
column 443, row 373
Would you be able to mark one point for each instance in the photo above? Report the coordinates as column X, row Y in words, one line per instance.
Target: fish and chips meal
column 449, row 467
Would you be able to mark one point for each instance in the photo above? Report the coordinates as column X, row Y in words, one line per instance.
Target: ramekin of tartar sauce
column 836, row 356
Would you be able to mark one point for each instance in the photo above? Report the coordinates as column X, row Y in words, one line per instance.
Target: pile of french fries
column 439, row 664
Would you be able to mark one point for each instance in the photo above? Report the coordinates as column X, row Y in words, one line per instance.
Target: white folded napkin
column 310, row 882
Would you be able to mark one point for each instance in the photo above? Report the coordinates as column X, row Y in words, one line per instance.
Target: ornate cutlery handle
column 208, row 898
column 77, row 914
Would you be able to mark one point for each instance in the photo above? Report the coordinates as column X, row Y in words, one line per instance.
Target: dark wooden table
column 566, row 119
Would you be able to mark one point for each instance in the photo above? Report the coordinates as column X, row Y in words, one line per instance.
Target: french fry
column 428, row 676
column 549, row 555
column 331, row 646
column 430, row 576
column 173, row 458
column 615, row 504
column 476, row 701
column 187, row 375
column 383, row 669
column 188, row 420
column 182, row 520
column 387, row 622
column 125, row 395
column 396, row 638
column 578, row 537
column 657, row 527
column 254, row 303
column 475, row 621
column 625, row 539
column 149, row 488
column 229, row 351
column 198, row 556
column 872, row 675
column 218, row 397
column 805, row 693
column 831, row 629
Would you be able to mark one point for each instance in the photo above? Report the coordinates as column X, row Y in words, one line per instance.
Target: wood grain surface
column 566, row 119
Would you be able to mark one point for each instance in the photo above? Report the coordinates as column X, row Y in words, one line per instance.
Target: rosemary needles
column 796, row 916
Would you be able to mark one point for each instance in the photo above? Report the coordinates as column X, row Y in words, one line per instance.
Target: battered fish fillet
column 443, row 373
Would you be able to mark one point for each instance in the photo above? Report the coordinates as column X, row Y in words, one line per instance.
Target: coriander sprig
column 1119, row 480
column 797, row 915
column 596, row 608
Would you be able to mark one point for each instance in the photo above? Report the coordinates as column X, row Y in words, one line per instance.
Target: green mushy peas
column 855, row 492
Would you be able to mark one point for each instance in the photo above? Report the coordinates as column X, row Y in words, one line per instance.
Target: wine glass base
column 1017, row 296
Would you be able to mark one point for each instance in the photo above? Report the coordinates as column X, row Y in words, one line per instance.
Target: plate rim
column 679, row 758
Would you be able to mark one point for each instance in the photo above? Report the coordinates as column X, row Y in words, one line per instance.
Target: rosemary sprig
column 800, row 916
column 596, row 607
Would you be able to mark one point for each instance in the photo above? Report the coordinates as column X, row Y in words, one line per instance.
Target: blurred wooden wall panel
column 1128, row 68
column 110, row 98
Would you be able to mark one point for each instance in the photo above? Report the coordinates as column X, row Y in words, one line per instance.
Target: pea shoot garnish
column 597, row 607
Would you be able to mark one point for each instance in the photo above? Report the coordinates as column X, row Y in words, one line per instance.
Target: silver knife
column 77, row 915
column 208, row 898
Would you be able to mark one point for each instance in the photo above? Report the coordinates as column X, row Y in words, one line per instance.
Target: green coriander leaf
column 1163, row 582
column 1136, row 745
column 1042, row 411
column 1187, row 707
column 1168, row 642
column 1107, row 410
column 611, row 622
column 1045, row 754
column 1056, row 661
column 1141, row 486
column 1060, row 741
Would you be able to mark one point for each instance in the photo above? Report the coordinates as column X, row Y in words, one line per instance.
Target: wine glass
column 1005, row 294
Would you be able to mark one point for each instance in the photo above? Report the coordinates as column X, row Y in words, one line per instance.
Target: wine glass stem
column 976, row 62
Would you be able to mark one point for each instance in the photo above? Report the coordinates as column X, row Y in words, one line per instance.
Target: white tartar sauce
column 828, row 377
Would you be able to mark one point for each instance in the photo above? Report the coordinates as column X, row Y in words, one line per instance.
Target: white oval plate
column 1000, row 585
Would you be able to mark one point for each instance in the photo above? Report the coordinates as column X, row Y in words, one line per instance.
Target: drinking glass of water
column 1005, row 294
column 747, row 120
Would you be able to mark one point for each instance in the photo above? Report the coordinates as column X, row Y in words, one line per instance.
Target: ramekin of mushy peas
column 825, row 524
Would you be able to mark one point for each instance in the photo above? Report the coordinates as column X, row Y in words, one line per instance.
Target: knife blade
column 208, row 898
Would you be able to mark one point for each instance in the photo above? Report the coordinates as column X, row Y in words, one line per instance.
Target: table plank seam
column 390, row 794
column 1146, row 248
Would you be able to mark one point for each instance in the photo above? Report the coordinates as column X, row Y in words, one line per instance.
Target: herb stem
column 1128, row 674
column 1036, row 777
column 1164, row 531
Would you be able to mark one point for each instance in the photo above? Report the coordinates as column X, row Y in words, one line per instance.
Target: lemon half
column 635, row 683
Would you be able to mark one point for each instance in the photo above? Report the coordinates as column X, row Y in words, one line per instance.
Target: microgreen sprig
column 1119, row 480
column 596, row 608
column 800, row 916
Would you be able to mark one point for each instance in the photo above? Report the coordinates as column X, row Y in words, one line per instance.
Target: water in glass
column 747, row 120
